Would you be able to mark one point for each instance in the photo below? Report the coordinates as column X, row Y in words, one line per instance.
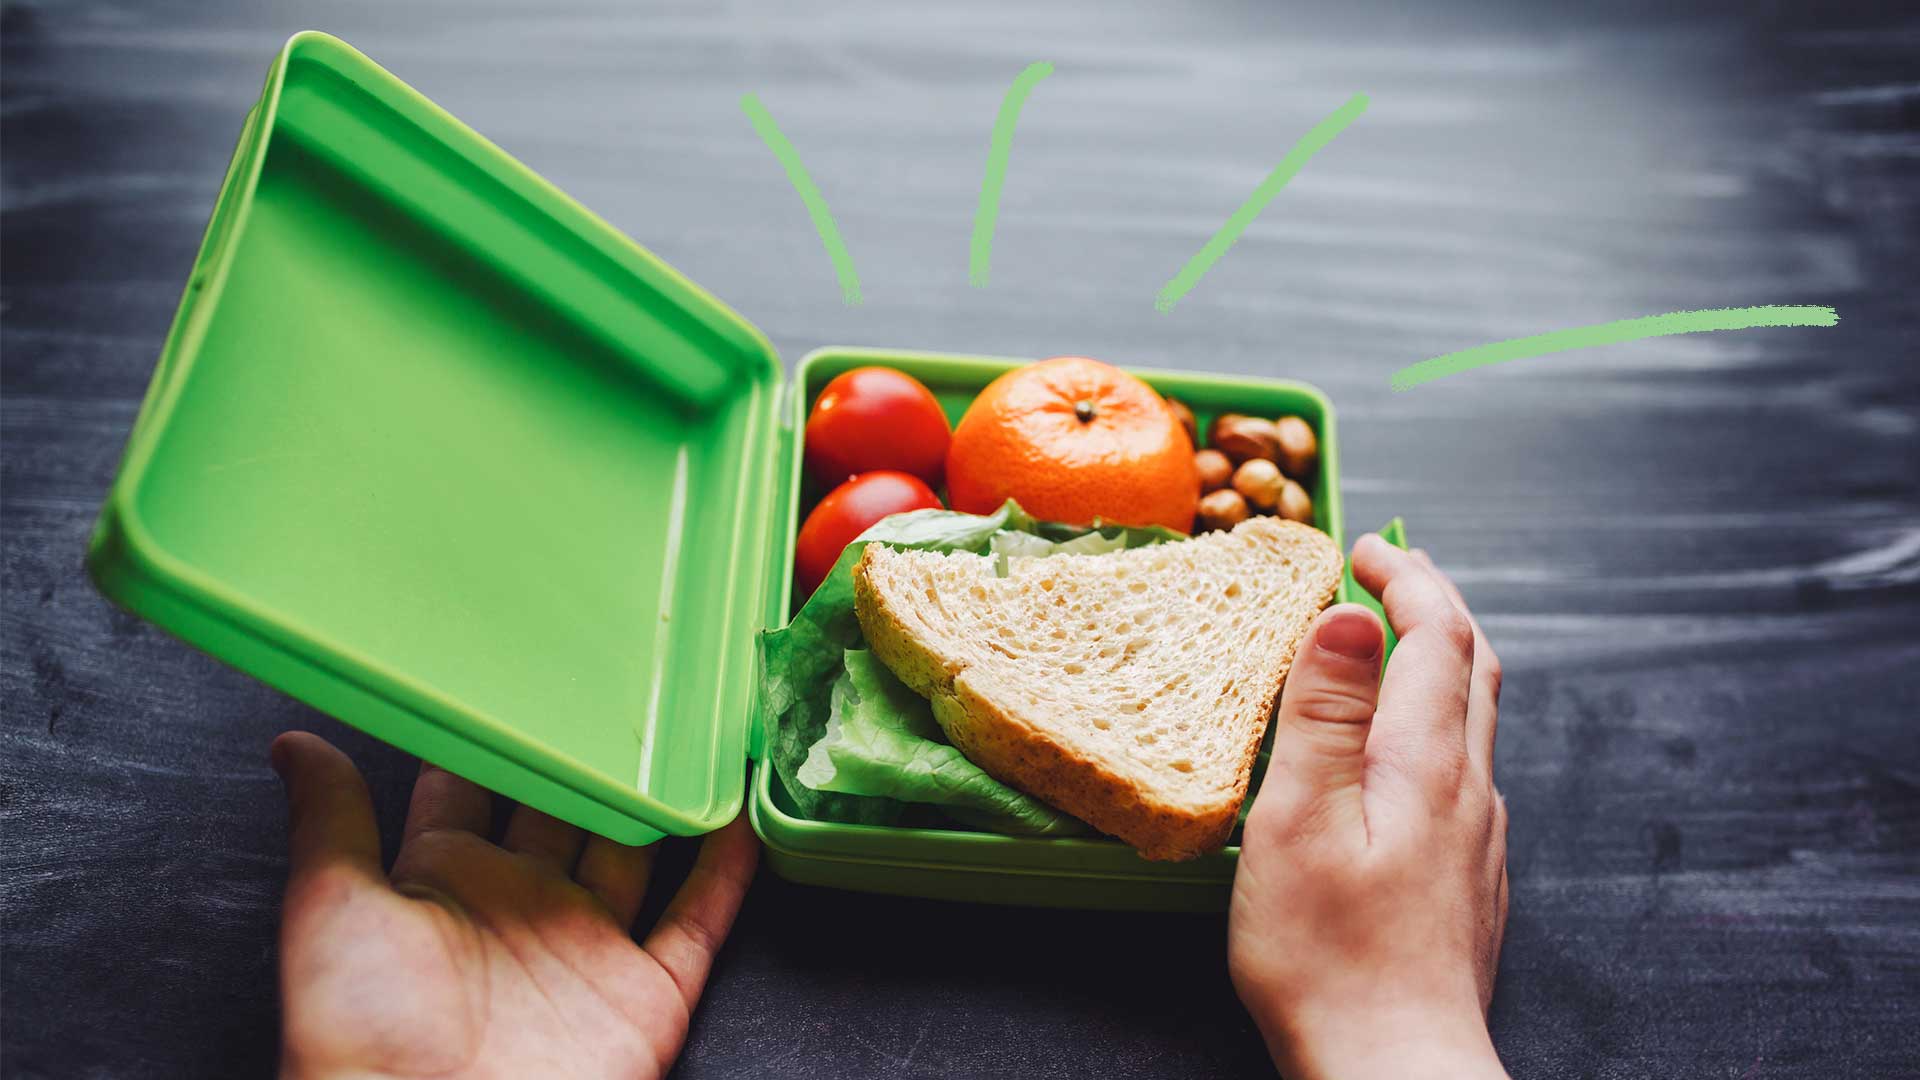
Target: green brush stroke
column 1580, row 337
column 1296, row 159
column 988, row 215
column 809, row 194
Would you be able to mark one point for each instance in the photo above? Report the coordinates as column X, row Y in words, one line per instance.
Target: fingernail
column 1351, row 632
column 277, row 757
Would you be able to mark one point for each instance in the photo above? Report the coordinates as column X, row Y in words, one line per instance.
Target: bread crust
column 1023, row 756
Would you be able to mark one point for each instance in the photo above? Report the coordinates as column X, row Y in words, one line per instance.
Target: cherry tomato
column 876, row 418
column 845, row 513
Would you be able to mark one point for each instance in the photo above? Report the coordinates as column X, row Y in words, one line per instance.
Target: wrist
column 1409, row 1043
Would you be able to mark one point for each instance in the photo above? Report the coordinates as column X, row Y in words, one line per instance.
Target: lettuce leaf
column 882, row 740
column 801, row 664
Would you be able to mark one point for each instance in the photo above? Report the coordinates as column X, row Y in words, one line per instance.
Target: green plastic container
column 438, row 451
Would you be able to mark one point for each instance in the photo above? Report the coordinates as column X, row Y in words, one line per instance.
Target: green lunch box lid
column 438, row 451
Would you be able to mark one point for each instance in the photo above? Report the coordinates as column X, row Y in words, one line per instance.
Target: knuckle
column 703, row 938
column 1476, row 793
column 1271, row 821
column 1455, row 629
column 432, row 854
column 1336, row 703
column 1261, row 829
column 1443, row 770
column 322, row 888
column 435, row 844
column 1450, row 757
column 333, row 881
column 1436, row 773
column 1290, row 824
column 1398, row 764
column 1472, row 799
column 1496, row 674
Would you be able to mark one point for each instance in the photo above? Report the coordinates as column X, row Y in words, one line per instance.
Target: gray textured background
column 1700, row 557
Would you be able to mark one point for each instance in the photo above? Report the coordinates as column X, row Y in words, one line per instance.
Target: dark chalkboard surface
column 1699, row 557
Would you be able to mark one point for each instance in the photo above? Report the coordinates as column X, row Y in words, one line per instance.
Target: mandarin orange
column 1074, row 440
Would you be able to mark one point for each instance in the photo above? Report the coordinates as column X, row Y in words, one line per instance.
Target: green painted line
column 1581, row 337
column 988, row 215
column 809, row 194
column 1296, row 159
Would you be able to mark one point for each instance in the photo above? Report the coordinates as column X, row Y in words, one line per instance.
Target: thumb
column 1320, row 730
column 330, row 814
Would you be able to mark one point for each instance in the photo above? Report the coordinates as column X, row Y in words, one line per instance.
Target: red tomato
column 876, row 418
column 845, row 513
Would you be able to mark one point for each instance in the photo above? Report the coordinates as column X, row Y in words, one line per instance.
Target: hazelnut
column 1214, row 469
column 1259, row 482
column 1221, row 509
column 1243, row 438
column 1299, row 449
column 1295, row 504
column 1185, row 415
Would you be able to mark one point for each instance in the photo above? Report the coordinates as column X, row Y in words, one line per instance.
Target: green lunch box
column 436, row 450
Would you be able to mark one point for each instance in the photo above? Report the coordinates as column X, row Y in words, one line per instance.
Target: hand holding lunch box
column 1365, row 929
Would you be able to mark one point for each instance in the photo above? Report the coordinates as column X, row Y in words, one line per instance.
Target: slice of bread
column 1130, row 689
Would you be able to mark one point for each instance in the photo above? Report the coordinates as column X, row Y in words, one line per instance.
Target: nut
column 1259, row 482
column 1214, row 469
column 1185, row 415
column 1221, row 509
column 1243, row 438
column 1299, row 449
column 1295, row 504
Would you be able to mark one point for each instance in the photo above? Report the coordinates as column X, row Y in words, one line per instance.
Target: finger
column 1483, row 698
column 1500, row 924
column 1499, row 839
column 1326, row 710
column 543, row 838
column 1500, row 847
column 1499, row 933
column 443, row 801
column 702, row 912
column 1419, row 729
column 330, row 825
column 617, row 874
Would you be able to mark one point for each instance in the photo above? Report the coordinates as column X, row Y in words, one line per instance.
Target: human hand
column 472, row 959
column 1371, row 894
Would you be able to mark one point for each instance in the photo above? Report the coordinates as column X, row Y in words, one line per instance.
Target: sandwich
column 1130, row 689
